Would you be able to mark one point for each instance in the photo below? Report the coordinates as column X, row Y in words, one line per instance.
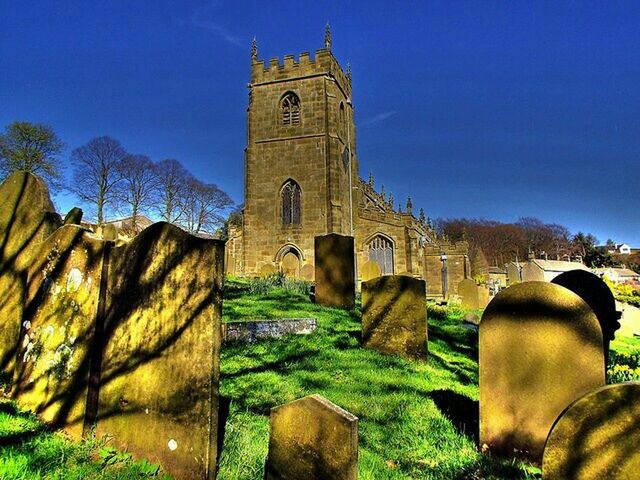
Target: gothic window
column 342, row 120
column 290, row 196
column 381, row 251
column 290, row 105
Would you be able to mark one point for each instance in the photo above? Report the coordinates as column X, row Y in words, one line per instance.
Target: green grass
column 403, row 433
column 29, row 451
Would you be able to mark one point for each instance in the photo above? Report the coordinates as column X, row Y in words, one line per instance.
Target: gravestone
column 469, row 294
column 160, row 366
column 598, row 296
column 394, row 316
column 109, row 232
column 335, row 274
column 267, row 270
column 312, row 439
column 540, row 349
column 73, row 217
column 484, row 296
column 370, row 270
column 307, row 271
column 27, row 218
column 597, row 437
column 62, row 304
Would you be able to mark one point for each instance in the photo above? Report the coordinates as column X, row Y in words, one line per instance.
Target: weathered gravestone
column 540, row 349
column 160, row 367
column 597, row 437
column 469, row 294
column 312, row 439
column 335, row 271
column 62, row 305
column 73, row 217
column 370, row 270
column 598, row 296
column 109, row 232
column 394, row 316
column 27, row 218
column 267, row 270
column 307, row 271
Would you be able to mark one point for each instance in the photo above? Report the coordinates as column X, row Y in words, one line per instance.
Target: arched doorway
column 289, row 259
column 380, row 250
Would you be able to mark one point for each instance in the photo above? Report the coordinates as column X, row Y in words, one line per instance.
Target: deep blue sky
column 476, row 109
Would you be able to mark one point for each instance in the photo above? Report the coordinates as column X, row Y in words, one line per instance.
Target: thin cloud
column 217, row 29
column 380, row 117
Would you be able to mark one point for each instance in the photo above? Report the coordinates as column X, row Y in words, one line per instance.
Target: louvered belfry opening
column 291, row 197
column 381, row 252
column 290, row 109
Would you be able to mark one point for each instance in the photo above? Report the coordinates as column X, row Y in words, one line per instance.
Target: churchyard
column 119, row 349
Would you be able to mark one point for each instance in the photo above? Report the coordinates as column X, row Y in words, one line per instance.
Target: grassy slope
column 403, row 433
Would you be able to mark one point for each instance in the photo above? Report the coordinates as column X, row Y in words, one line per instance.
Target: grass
column 417, row 420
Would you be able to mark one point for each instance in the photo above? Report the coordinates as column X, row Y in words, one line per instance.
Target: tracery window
column 291, row 196
column 381, row 251
column 290, row 105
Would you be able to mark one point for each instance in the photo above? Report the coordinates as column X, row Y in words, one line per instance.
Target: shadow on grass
column 463, row 412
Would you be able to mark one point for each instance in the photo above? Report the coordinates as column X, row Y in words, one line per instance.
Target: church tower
column 300, row 164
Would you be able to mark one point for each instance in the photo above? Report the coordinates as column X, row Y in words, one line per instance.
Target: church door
column 291, row 265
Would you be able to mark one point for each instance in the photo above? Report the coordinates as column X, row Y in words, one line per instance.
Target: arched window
column 290, row 196
column 290, row 105
column 381, row 251
column 342, row 120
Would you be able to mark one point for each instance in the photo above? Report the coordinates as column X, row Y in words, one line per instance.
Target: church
column 301, row 179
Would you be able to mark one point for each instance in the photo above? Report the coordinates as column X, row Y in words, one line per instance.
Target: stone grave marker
column 27, row 218
column 469, row 294
column 266, row 270
column 312, row 439
column 598, row 296
column 62, row 305
column 540, row 348
column 370, row 270
column 597, row 437
column 307, row 271
column 160, row 367
column 335, row 274
column 73, row 217
column 394, row 316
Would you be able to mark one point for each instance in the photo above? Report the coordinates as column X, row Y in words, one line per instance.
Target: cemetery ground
column 416, row 419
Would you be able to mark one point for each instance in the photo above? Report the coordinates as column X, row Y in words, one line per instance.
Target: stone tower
column 300, row 163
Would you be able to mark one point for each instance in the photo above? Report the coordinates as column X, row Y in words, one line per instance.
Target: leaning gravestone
column 394, row 316
column 73, row 217
column 27, row 218
column 469, row 294
column 335, row 274
column 597, row 437
column 540, row 349
column 312, row 439
column 161, row 362
column 370, row 270
column 598, row 296
column 62, row 304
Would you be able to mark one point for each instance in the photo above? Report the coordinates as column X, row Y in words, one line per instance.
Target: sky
column 494, row 110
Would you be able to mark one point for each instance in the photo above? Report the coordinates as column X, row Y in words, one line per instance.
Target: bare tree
column 32, row 147
column 169, row 195
column 203, row 206
column 139, row 181
column 96, row 172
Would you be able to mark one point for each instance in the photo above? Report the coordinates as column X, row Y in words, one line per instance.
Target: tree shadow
column 463, row 412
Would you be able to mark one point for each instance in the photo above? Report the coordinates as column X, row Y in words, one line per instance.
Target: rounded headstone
column 73, row 217
column 468, row 292
column 266, row 270
column 290, row 265
column 370, row 269
column 597, row 437
column 540, row 349
column 307, row 271
column 109, row 232
column 598, row 296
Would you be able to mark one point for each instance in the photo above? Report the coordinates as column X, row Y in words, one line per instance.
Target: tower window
column 290, row 105
column 291, row 195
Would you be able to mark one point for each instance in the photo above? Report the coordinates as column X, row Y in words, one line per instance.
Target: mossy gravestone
column 598, row 296
column 160, row 367
column 62, row 305
column 27, row 218
column 540, row 349
column 597, row 437
column 370, row 270
column 312, row 439
column 394, row 316
column 335, row 271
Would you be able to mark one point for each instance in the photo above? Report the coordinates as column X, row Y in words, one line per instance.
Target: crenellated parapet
column 323, row 63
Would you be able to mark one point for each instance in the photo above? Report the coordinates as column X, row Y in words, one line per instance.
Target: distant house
column 497, row 277
column 618, row 248
column 537, row 269
column 619, row 275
